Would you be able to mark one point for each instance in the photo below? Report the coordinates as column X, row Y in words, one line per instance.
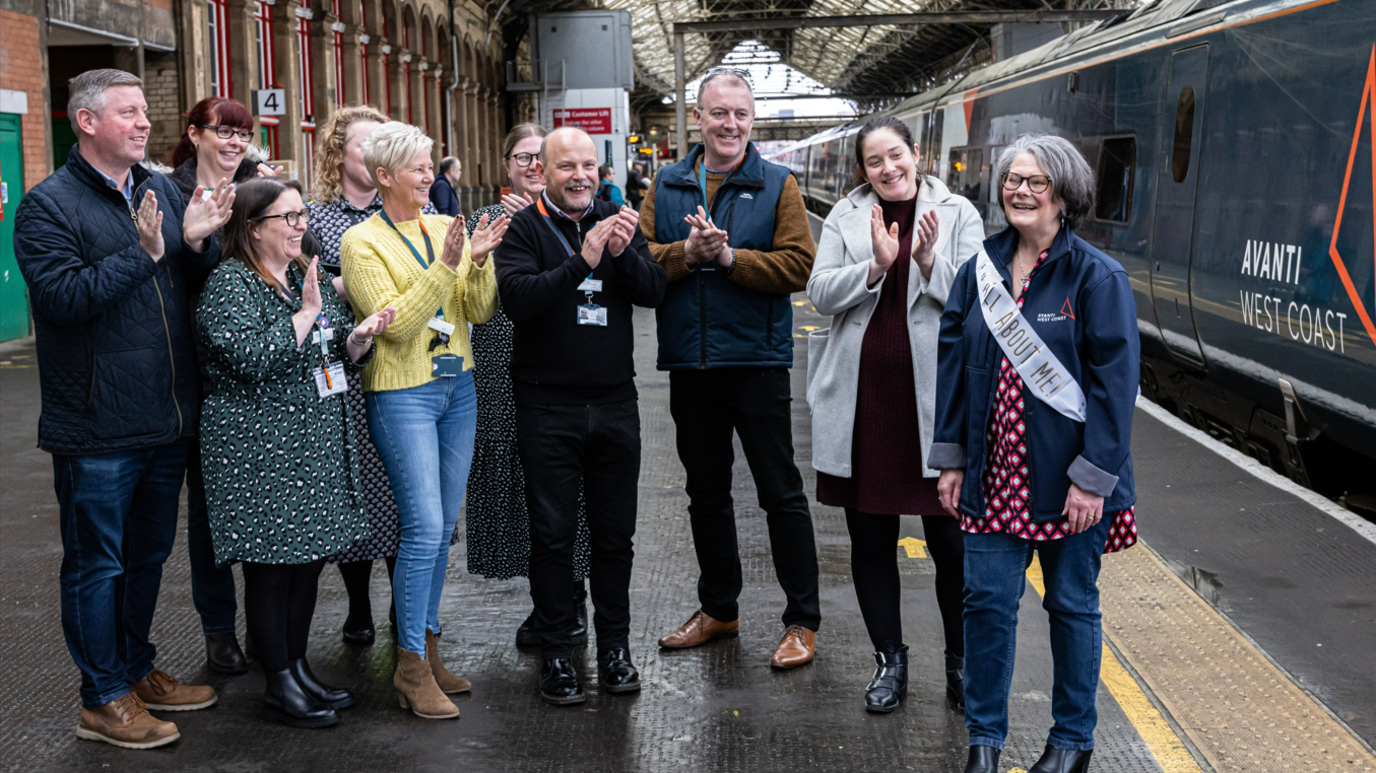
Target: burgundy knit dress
column 886, row 449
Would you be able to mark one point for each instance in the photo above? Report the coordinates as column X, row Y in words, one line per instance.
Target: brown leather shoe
column 448, row 683
column 416, row 688
column 125, row 722
column 700, row 629
column 160, row 691
column 797, row 648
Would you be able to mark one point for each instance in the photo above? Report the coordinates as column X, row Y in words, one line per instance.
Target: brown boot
column 796, row 648
column 700, row 629
column 125, row 722
column 160, row 691
column 416, row 688
column 448, row 683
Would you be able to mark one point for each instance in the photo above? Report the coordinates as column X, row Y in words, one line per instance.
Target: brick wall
column 162, row 90
column 21, row 69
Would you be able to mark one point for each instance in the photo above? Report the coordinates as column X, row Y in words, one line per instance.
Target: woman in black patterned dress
column 498, row 525
column 344, row 196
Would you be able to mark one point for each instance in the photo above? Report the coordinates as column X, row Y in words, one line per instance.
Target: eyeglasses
column 293, row 218
column 522, row 159
column 738, row 72
column 225, row 132
column 1037, row 183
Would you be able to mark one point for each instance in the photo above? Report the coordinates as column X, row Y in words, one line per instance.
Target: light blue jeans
column 425, row 438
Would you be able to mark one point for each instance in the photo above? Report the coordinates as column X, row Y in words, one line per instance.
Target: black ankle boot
column 525, row 634
column 890, row 683
column 616, row 673
column 1062, row 761
column 955, row 680
column 559, row 683
column 285, row 701
column 579, row 633
column 983, row 759
column 335, row 697
column 358, row 628
column 222, row 654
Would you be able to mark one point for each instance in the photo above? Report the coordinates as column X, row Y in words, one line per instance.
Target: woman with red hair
column 217, row 146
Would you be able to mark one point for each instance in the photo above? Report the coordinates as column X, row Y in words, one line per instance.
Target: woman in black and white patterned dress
column 498, row 524
column 344, row 196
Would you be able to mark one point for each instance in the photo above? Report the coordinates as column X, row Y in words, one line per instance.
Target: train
column 1234, row 146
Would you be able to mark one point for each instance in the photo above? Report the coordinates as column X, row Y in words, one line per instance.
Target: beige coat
column 837, row 288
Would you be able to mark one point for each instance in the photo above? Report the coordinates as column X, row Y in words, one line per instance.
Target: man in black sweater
column 568, row 271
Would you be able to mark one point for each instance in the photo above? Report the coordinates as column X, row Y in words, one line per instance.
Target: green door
column 14, row 297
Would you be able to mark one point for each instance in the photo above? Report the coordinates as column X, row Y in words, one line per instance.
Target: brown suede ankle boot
column 448, row 683
column 416, row 688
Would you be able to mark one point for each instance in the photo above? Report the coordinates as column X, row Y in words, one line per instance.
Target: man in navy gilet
column 732, row 232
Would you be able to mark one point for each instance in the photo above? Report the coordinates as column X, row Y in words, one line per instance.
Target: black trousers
column 874, row 568
column 597, row 448
column 754, row 403
column 279, row 602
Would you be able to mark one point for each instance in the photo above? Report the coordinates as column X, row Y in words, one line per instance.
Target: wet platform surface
column 718, row 707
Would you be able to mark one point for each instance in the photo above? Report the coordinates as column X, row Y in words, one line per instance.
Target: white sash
column 1040, row 370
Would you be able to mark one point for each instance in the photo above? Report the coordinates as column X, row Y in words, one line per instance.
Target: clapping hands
column 706, row 241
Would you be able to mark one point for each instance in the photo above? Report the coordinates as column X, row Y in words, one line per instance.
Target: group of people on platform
column 339, row 376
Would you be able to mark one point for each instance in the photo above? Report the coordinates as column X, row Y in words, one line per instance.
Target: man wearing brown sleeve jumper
column 732, row 233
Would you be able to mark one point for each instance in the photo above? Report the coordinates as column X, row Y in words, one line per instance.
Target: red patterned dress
column 1007, row 487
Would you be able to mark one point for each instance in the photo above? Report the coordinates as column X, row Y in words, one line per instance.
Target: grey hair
column 730, row 78
column 87, row 91
column 447, row 163
column 391, row 145
column 1072, row 181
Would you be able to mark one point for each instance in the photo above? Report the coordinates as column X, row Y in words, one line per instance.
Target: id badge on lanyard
column 589, row 313
column 441, row 365
column 329, row 378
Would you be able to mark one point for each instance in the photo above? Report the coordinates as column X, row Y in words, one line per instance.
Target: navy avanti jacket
column 707, row 320
column 1081, row 305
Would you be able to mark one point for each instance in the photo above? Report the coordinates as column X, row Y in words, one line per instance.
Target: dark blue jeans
column 118, row 522
column 995, row 566
column 212, row 587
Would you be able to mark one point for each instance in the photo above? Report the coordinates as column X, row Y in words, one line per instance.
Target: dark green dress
column 281, row 480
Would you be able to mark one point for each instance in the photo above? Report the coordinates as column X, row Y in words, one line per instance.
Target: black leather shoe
column 1062, row 761
column 364, row 634
column 286, row 702
column 222, row 654
column 983, row 759
column 579, row 633
column 615, row 672
column 525, row 635
column 955, row 681
column 890, row 683
column 559, row 683
column 335, row 697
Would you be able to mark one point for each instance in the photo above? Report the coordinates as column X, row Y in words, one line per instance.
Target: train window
column 1117, row 162
column 1184, row 135
column 993, row 162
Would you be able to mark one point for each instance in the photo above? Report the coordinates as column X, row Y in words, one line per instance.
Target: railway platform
column 1239, row 637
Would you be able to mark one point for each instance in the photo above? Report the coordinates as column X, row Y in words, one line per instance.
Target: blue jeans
column 425, row 438
column 212, row 587
column 995, row 566
column 118, row 522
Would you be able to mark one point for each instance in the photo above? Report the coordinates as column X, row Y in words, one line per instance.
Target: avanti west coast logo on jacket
column 707, row 320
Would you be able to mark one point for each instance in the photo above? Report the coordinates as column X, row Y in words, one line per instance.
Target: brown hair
column 251, row 200
column 327, row 185
column 519, row 132
column 871, row 126
column 211, row 111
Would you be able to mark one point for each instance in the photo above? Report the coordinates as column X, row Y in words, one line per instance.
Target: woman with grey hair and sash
column 1038, row 365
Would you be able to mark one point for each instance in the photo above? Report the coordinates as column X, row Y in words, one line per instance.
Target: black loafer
column 525, row 635
column 335, row 697
column 222, row 654
column 616, row 673
column 1062, row 761
column 364, row 636
column 559, row 683
column 983, row 759
column 889, row 686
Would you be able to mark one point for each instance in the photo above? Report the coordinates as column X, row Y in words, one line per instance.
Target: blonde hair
column 327, row 185
column 391, row 145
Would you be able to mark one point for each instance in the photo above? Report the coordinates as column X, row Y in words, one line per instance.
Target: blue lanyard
column 702, row 180
column 429, row 250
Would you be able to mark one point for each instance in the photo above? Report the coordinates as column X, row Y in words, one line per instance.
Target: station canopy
column 870, row 65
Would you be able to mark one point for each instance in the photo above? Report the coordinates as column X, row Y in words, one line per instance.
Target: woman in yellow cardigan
column 422, row 410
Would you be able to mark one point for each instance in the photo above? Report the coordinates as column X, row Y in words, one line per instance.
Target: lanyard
column 429, row 250
column 702, row 180
column 549, row 221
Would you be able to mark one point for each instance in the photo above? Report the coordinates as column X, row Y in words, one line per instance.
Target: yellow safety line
column 1163, row 742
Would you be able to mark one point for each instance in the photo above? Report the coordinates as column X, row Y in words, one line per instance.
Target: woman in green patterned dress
column 280, row 474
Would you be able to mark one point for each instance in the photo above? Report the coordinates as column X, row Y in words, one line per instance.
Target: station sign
column 593, row 120
column 270, row 102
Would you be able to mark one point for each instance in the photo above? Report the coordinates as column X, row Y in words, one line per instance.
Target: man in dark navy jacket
column 442, row 194
column 732, row 232
column 569, row 270
column 113, row 255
